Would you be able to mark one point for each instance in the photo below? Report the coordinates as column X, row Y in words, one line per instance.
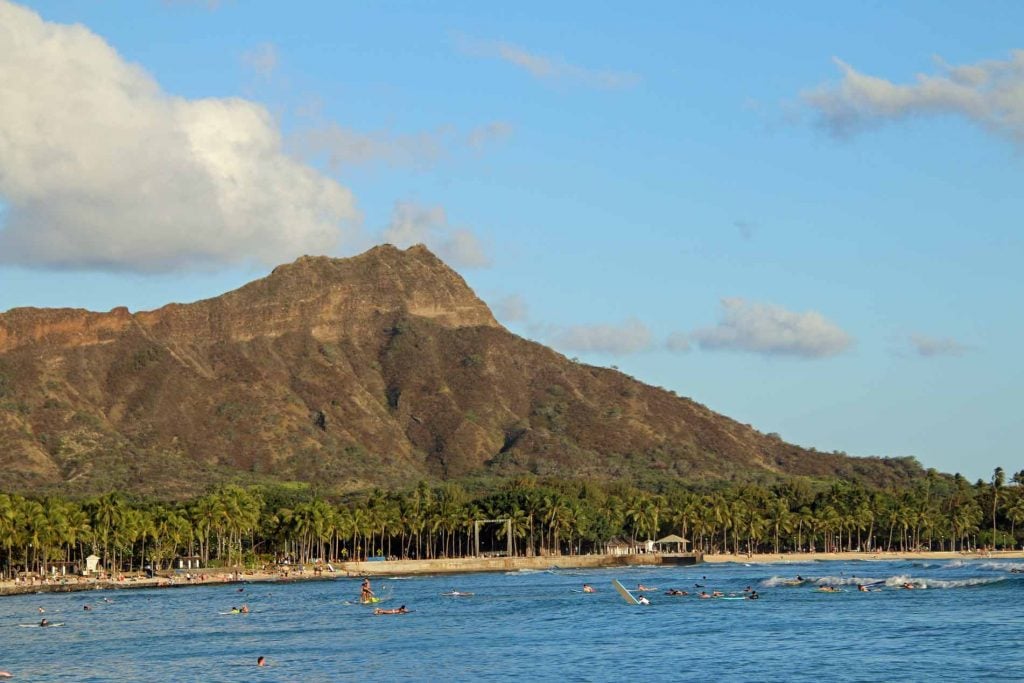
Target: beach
column 463, row 565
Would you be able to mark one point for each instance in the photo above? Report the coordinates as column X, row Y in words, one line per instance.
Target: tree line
column 235, row 526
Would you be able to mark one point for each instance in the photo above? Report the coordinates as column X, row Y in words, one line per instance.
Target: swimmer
column 587, row 588
column 261, row 661
column 400, row 610
column 753, row 595
column 44, row 622
column 6, row 674
column 862, row 588
column 86, row 608
column 703, row 595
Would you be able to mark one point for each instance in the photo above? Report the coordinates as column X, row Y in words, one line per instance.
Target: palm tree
column 998, row 479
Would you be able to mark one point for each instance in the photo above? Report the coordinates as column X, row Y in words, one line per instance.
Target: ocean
column 962, row 621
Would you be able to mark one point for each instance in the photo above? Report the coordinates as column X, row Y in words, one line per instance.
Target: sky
column 806, row 216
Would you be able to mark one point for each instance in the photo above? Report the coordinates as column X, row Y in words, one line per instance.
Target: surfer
column 704, row 595
column 44, row 622
column 399, row 610
column 675, row 591
column 6, row 674
column 862, row 588
column 366, row 593
column 641, row 587
column 587, row 588
column 753, row 595
column 908, row 586
column 643, row 600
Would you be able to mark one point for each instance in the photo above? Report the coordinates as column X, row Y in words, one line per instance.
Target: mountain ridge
column 376, row 370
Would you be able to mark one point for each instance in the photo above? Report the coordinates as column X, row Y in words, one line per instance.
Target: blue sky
column 806, row 217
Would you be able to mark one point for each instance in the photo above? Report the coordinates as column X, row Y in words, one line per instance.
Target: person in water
column 366, row 593
column 399, row 610
column 641, row 587
column 675, row 591
column 44, row 622
column 261, row 661
column 643, row 600
column 753, row 595
column 587, row 588
column 704, row 595
column 862, row 588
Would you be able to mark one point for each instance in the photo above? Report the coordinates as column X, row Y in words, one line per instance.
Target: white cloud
column 102, row 169
column 678, row 342
column 511, row 309
column 550, row 68
column 414, row 224
column 932, row 346
column 989, row 93
column 772, row 330
column 482, row 136
column 631, row 336
column 342, row 147
column 262, row 59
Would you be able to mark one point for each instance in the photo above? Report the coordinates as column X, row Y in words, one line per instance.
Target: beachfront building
column 621, row 546
column 92, row 564
column 188, row 562
column 60, row 568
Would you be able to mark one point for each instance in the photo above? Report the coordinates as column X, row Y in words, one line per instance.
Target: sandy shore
column 212, row 577
column 469, row 565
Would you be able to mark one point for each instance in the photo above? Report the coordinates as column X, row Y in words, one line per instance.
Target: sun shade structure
column 679, row 542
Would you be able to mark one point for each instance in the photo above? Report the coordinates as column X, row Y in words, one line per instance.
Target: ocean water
column 964, row 621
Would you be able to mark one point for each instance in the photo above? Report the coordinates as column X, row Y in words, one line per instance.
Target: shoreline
column 348, row 570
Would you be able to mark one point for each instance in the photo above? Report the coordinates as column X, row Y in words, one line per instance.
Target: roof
column 672, row 538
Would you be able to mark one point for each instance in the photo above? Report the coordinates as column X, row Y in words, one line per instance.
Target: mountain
column 377, row 370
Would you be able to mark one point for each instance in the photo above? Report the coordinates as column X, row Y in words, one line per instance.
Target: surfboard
column 61, row 623
column 457, row 594
column 624, row 592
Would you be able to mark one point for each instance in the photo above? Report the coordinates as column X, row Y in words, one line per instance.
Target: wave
column 1002, row 566
column 903, row 580
column 786, row 581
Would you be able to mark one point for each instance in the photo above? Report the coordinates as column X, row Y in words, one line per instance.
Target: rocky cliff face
column 381, row 369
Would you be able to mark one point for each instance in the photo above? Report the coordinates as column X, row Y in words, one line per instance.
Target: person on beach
column 587, row 588
column 261, row 661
